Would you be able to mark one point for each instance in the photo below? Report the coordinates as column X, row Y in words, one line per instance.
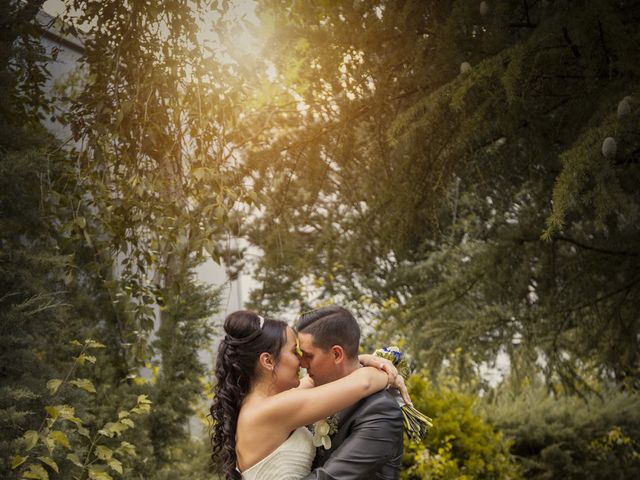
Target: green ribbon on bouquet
column 416, row 424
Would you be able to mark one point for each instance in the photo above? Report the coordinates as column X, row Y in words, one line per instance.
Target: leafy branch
column 40, row 445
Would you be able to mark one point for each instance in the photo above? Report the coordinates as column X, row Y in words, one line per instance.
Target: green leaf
column 18, row 460
column 31, row 438
column 93, row 344
column 84, row 431
column 52, row 411
column 65, row 412
column 37, row 472
column 81, row 222
column 84, row 384
column 49, row 443
column 140, row 380
column 60, row 438
column 82, row 358
column 72, row 457
column 128, row 422
column 53, row 385
column 142, row 409
column 49, row 461
column 116, row 465
column 143, row 399
column 126, row 448
column 105, row 432
column 103, row 453
column 96, row 474
column 75, row 342
column 112, row 428
column 76, row 420
column 117, row 427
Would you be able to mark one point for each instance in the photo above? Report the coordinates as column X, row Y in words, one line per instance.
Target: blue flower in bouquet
column 393, row 352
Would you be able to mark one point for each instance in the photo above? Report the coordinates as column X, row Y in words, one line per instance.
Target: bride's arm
column 365, row 360
column 384, row 364
column 368, row 360
column 302, row 406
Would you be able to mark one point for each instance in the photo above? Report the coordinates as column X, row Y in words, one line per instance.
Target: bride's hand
column 306, row 382
column 396, row 381
column 385, row 365
column 399, row 385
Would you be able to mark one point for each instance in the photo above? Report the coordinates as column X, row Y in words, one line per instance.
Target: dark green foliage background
column 469, row 217
column 57, row 284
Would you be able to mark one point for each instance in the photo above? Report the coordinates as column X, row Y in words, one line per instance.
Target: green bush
column 595, row 437
column 460, row 445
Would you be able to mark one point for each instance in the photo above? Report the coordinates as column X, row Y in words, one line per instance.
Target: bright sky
column 241, row 10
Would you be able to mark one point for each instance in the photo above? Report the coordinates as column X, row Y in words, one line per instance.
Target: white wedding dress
column 290, row 461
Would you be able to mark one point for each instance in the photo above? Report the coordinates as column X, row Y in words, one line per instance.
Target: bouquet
column 415, row 423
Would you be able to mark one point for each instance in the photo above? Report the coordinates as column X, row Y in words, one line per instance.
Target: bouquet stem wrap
column 416, row 423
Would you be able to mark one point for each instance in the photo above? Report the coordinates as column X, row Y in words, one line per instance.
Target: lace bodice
column 290, row 461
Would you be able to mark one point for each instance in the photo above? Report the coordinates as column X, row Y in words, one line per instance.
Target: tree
column 447, row 178
column 97, row 236
column 33, row 295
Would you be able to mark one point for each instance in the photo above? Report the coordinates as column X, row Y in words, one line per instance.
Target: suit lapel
column 345, row 418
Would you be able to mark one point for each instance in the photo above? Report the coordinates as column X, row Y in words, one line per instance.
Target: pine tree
column 447, row 176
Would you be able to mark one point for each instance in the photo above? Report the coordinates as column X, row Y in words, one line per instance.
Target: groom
column 368, row 442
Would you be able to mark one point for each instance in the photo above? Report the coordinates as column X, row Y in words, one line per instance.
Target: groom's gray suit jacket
column 367, row 445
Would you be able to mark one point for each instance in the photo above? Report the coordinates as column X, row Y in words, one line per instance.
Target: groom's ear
column 338, row 354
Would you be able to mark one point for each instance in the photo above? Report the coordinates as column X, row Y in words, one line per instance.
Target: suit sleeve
column 373, row 441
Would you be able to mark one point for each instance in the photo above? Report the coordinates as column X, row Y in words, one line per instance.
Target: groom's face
column 320, row 364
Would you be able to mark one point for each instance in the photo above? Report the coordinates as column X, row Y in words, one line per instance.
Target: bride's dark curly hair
column 236, row 367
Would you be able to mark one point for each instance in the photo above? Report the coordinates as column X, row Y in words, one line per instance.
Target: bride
column 261, row 407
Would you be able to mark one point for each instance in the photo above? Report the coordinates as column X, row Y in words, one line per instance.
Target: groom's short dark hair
column 331, row 326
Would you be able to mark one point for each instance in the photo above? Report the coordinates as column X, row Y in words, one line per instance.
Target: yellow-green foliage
column 189, row 458
column 63, row 432
column 460, row 445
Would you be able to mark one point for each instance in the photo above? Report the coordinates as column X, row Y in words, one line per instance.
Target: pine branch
column 574, row 48
column 623, row 289
column 603, row 44
column 581, row 245
column 596, row 249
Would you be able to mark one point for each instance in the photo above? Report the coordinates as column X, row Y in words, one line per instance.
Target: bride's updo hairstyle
column 247, row 336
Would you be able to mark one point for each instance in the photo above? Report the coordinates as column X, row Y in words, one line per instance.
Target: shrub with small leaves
column 461, row 443
column 62, row 431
